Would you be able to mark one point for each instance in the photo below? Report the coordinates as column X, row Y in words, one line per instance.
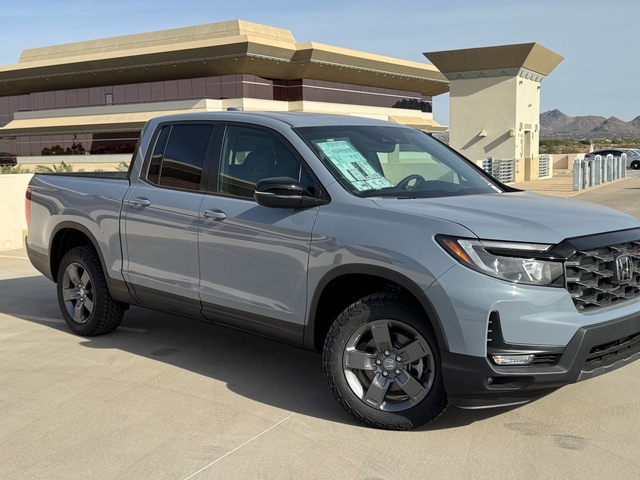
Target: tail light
column 27, row 205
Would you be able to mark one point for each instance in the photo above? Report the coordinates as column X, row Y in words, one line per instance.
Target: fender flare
column 374, row 271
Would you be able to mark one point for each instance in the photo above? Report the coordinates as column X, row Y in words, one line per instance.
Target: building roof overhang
column 419, row 123
column 122, row 118
column 121, row 122
column 233, row 47
column 530, row 56
column 114, row 118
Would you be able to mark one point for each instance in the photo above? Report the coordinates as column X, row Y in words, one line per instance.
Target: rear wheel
column 635, row 165
column 382, row 363
column 85, row 301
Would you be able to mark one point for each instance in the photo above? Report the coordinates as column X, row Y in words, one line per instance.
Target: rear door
column 161, row 217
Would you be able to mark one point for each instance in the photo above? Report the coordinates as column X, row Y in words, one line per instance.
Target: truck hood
column 517, row 216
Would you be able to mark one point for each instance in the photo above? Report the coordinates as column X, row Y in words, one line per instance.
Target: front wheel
column 635, row 165
column 382, row 363
column 85, row 301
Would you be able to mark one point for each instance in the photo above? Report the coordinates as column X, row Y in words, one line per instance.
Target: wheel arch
column 68, row 235
column 330, row 299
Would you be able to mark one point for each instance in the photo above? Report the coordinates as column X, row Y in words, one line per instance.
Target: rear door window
column 179, row 156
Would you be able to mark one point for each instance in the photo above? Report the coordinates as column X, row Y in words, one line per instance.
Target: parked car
column 422, row 280
column 7, row 158
column 633, row 156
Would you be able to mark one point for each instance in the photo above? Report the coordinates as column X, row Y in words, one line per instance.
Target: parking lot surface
column 164, row 397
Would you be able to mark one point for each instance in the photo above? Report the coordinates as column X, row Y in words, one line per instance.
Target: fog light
column 512, row 359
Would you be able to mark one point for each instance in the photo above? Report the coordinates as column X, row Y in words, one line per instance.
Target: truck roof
column 294, row 119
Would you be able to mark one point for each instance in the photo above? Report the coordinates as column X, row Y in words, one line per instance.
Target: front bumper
column 475, row 382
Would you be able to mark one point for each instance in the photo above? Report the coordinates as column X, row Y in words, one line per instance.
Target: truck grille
column 593, row 279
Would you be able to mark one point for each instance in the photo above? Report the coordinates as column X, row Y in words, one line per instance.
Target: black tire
column 85, row 301
column 382, row 363
column 635, row 165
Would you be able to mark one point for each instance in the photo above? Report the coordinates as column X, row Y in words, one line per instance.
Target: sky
column 600, row 74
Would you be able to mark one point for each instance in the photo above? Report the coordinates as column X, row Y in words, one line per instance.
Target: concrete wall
column 13, row 224
column 481, row 117
column 73, row 159
column 497, row 116
column 564, row 161
column 80, row 163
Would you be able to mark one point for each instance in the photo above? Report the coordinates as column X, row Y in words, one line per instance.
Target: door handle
column 140, row 202
column 214, row 214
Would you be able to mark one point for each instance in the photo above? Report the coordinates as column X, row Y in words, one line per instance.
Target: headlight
column 514, row 262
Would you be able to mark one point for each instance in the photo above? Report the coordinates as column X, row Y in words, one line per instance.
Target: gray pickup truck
column 423, row 281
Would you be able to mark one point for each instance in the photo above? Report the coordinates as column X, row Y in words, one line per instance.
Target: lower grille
column 546, row 360
column 609, row 353
column 593, row 279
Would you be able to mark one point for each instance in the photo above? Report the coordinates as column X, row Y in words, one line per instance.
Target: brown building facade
column 94, row 97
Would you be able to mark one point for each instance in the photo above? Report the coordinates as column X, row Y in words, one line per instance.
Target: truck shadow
column 257, row 368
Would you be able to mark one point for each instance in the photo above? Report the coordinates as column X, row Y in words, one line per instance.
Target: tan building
column 495, row 101
column 93, row 97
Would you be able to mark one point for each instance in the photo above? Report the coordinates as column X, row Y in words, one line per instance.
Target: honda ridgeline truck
column 422, row 280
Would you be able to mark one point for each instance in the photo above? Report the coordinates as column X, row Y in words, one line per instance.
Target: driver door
column 253, row 259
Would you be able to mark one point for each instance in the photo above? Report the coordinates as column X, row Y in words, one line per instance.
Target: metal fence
column 544, row 166
column 591, row 172
column 502, row 170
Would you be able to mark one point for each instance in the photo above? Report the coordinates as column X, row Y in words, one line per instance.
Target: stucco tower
column 495, row 101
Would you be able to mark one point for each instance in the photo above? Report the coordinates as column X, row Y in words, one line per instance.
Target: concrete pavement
column 560, row 185
column 623, row 194
column 165, row 397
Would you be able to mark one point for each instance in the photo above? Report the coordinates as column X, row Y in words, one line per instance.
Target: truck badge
column 624, row 268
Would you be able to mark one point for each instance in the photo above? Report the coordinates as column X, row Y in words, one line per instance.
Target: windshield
column 373, row 161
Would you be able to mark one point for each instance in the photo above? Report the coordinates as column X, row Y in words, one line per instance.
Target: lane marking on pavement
column 62, row 322
column 5, row 336
column 40, row 319
column 11, row 256
column 240, row 446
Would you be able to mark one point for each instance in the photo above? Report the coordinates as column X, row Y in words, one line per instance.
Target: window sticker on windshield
column 352, row 165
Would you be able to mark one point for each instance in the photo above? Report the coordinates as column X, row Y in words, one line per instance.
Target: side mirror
column 284, row 192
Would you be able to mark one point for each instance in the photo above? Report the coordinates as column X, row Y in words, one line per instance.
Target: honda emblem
column 624, row 268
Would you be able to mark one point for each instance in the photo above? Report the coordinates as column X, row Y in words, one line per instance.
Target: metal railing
column 501, row 170
column 591, row 172
column 544, row 166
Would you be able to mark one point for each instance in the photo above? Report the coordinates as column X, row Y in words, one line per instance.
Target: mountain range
column 555, row 124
